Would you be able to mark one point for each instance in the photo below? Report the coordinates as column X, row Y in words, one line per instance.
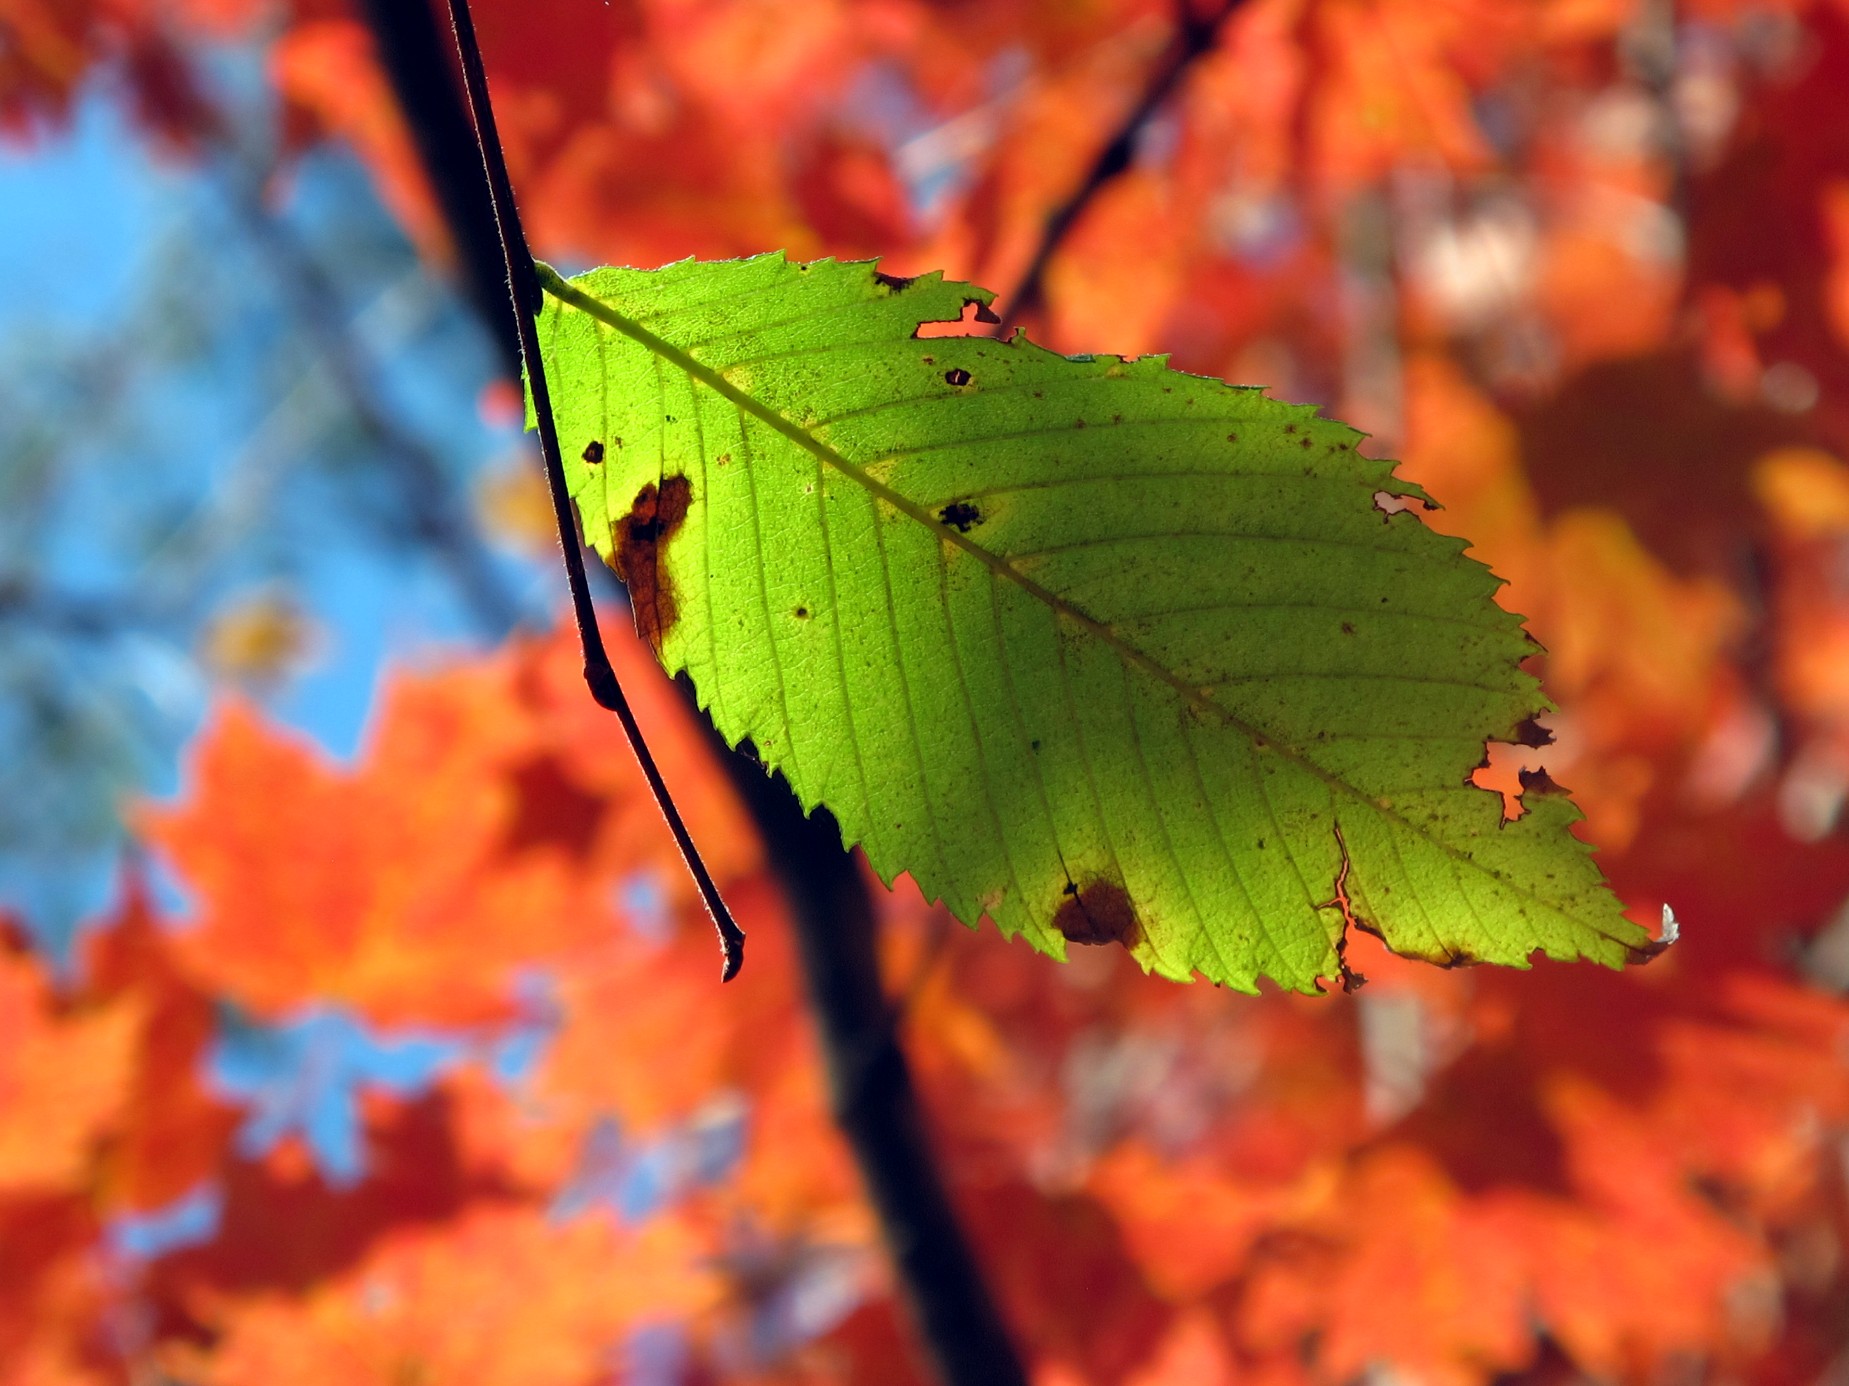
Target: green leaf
column 1102, row 651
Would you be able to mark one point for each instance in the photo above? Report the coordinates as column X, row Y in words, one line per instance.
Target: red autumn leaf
column 173, row 1129
column 284, row 1227
column 439, row 1304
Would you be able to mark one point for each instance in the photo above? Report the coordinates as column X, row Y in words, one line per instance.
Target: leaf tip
column 1639, row 953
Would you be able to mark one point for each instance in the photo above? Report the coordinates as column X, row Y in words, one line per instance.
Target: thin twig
column 1194, row 39
column 523, row 286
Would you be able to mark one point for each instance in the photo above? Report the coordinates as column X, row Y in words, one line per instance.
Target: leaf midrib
column 566, row 292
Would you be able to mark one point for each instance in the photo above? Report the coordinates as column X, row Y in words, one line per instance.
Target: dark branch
column 416, row 61
column 29, row 603
column 874, row 1100
column 871, row 1091
column 1194, row 39
column 523, row 285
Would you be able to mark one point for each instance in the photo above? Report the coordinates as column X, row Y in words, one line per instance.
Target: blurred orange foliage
column 1582, row 263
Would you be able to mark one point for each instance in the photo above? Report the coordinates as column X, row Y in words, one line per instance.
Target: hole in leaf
column 1388, row 503
column 969, row 324
column 1351, row 979
column 1512, row 767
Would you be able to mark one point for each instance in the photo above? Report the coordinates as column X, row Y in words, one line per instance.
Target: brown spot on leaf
column 1539, row 782
column 894, row 282
column 956, row 375
column 1530, row 732
column 1348, row 628
column 593, row 452
column 1099, row 913
column 960, row 516
column 641, row 536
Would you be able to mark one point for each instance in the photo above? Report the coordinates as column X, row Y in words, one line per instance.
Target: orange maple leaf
column 65, row 1080
column 502, row 1294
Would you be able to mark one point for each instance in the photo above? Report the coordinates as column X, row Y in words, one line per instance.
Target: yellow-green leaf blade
column 1092, row 647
